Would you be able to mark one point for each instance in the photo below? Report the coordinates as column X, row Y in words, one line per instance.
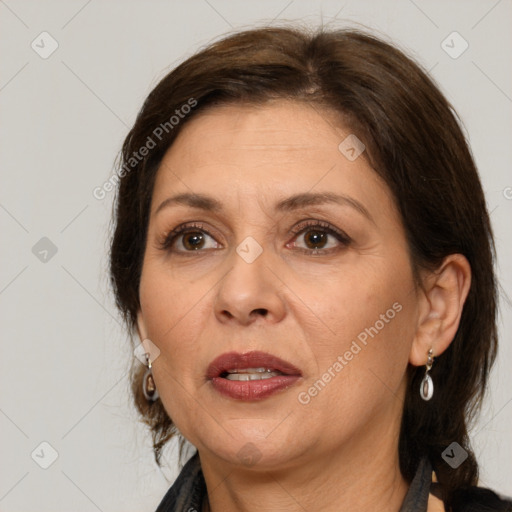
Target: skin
column 340, row 450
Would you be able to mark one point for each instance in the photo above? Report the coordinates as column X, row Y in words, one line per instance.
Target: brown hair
column 413, row 141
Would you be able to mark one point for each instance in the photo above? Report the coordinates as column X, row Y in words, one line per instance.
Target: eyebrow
column 295, row 202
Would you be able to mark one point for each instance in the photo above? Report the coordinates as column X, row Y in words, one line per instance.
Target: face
column 277, row 286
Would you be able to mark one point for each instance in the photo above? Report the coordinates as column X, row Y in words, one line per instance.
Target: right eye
column 189, row 238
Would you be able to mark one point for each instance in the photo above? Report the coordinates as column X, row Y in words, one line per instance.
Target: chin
column 253, row 444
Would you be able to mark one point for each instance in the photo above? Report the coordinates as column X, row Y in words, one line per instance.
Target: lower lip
column 249, row 390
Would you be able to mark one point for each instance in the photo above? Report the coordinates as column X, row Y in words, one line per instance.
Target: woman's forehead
column 279, row 143
column 261, row 157
column 276, row 126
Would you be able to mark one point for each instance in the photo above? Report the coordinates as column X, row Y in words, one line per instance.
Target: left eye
column 318, row 237
column 315, row 239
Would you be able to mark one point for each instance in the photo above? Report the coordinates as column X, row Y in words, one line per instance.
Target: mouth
column 251, row 376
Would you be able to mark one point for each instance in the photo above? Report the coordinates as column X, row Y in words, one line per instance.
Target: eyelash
column 305, row 226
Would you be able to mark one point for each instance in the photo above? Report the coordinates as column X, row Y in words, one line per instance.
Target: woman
column 303, row 247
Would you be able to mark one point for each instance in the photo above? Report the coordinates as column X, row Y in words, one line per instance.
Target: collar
column 189, row 490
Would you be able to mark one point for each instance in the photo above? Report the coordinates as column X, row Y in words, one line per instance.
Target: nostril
column 260, row 311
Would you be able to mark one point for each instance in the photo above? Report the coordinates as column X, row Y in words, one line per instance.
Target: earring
column 148, row 383
column 427, row 386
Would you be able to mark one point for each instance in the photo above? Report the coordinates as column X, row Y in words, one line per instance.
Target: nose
column 250, row 292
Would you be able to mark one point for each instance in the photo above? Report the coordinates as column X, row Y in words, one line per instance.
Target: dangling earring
column 427, row 386
column 148, row 383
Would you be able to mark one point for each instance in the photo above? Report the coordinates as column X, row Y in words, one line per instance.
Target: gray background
column 63, row 368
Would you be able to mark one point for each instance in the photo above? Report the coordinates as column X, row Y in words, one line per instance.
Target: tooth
column 252, row 376
column 250, row 370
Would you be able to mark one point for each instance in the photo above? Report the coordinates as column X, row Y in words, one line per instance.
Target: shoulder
column 188, row 491
column 477, row 499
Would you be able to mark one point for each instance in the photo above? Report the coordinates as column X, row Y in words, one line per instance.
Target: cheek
column 367, row 300
column 173, row 311
column 167, row 300
column 368, row 317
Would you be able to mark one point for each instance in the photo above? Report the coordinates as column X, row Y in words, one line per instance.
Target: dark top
column 189, row 490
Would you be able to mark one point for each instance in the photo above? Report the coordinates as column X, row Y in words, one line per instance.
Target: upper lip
column 254, row 359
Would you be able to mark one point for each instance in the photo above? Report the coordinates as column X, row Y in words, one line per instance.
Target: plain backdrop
column 65, row 355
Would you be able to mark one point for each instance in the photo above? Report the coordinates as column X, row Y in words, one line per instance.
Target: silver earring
column 148, row 383
column 427, row 386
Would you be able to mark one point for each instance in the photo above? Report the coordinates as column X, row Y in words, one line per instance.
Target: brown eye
column 189, row 238
column 193, row 240
column 315, row 239
column 319, row 237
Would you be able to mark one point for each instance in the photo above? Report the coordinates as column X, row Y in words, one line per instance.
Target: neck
column 364, row 475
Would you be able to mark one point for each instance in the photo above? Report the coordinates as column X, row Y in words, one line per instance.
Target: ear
column 141, row 327
column 441, row 301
